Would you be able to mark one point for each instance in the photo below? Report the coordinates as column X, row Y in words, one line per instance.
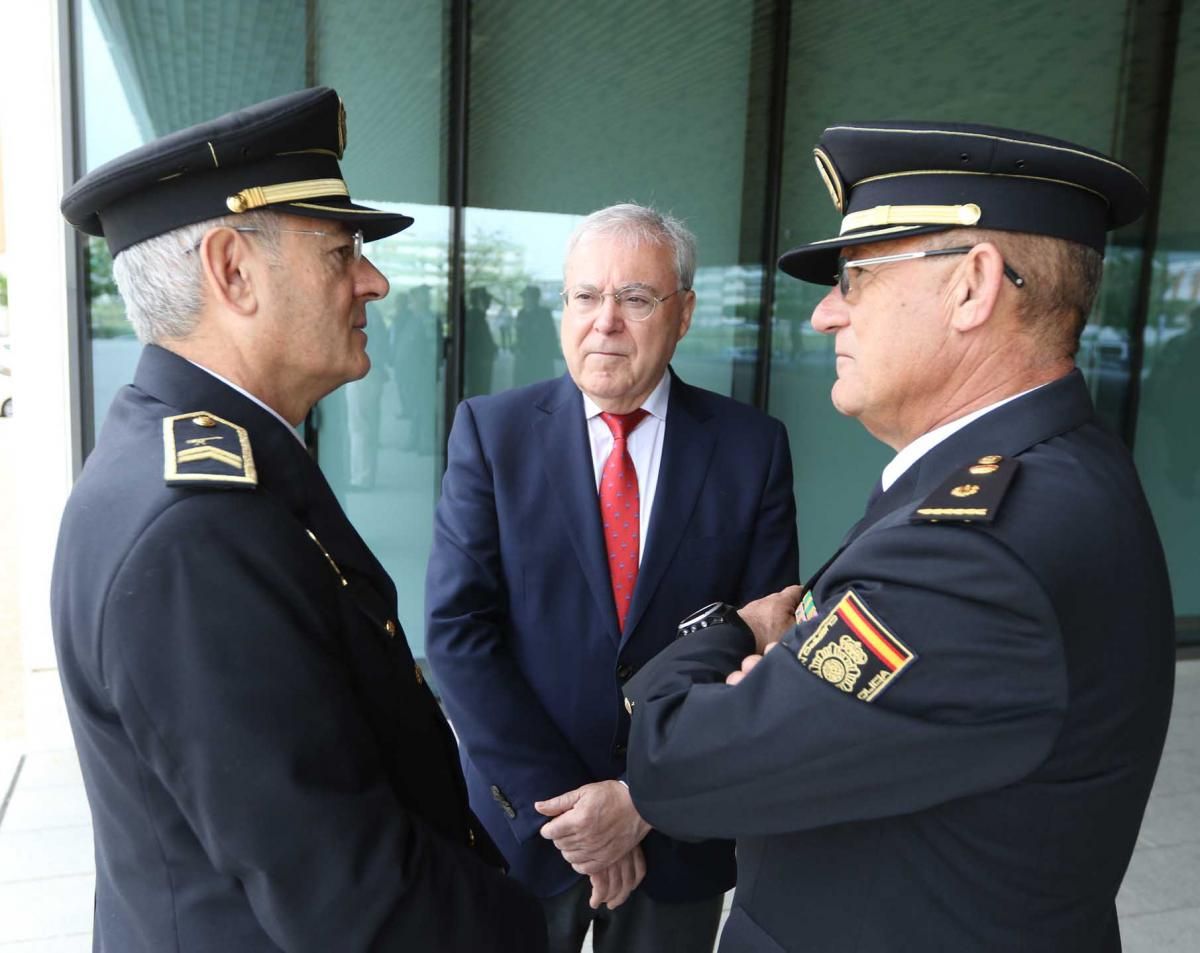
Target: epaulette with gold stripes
column 201, row 449
column 971, row 495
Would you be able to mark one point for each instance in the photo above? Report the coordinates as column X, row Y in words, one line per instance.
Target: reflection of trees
column 497, row 263
column 107, row 311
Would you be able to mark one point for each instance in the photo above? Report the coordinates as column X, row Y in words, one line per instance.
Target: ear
column 685, row 317
column 975, row 294
column 230, row 271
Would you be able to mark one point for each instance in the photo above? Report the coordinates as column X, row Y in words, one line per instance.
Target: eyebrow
column 631, row 286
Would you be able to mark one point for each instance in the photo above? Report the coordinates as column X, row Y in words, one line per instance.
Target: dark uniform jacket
column 955, row 750
column 265, row 766
column 522, row 631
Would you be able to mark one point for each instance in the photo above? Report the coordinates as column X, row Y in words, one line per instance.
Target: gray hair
column 161, row 280
column 639, row 224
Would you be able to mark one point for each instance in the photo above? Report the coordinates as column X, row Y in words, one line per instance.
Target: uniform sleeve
column 510, row 738
column 774, row 559
column 978, row 707
column 220, row 652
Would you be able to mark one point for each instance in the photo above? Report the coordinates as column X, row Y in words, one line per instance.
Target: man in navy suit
column 952, row 743
column 580, row 519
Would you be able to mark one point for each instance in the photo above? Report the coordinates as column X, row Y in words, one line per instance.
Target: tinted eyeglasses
column 844, row 266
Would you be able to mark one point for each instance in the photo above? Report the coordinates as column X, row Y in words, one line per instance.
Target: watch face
column 699, row 614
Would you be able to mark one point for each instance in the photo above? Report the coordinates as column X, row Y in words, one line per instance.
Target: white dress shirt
column 645, row 446
column 926, row 442
column 245, row 393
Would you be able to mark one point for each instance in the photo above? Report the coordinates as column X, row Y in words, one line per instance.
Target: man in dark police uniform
column 265, row 766
column 953, row 747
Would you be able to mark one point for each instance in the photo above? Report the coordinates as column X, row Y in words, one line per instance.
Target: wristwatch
column 716, row 613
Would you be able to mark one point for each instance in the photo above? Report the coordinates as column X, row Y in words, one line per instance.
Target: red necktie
column 619, row 511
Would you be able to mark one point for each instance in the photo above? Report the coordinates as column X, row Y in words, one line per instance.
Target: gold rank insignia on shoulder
column 853, row 651
column 972, row 494
column 202, row 449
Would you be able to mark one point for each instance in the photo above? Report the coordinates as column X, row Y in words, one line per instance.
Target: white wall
column 42, row 333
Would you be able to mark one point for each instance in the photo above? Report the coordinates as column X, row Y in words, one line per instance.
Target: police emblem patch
column 851, row 649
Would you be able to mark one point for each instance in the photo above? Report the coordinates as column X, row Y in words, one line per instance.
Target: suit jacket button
column 496, row 795
column 470, row 837
column 508, row 811
column 419, row 676
column 619, row 751
column 629, row 707
column 624, row 672
column 390, row 625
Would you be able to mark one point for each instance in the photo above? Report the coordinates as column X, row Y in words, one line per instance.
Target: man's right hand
column 771, row 616
column 614, row 884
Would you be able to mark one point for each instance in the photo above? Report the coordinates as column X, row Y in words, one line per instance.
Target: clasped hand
column 598, row 831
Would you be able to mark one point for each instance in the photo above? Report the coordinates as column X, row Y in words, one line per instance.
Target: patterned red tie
column 619, row 511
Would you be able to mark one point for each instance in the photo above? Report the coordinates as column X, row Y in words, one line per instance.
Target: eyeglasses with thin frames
column 843, row 274
column 356, row 246
column 634, row 304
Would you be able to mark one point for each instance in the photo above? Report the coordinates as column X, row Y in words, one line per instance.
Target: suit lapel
column 687, row 448
column 567, row 457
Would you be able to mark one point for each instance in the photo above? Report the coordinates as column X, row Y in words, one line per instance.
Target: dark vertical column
column 74, row 161
column 312, row 432
column 459, row 63
column 761, row 185
column 1146, row 90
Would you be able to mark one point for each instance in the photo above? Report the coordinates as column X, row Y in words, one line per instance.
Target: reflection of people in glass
column 537, row 342
column 481, row 347
column 415, row 357
column 1171, row 387
column 362, row 404
column 504, row 327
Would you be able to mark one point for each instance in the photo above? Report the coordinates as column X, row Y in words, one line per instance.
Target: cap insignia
column 833, row 181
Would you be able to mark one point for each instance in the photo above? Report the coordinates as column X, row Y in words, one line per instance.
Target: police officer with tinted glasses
column 946, row 739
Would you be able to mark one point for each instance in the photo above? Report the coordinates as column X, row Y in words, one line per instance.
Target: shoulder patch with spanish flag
column 853, row 651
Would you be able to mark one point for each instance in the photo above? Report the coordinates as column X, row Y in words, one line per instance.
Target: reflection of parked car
column 6, row 403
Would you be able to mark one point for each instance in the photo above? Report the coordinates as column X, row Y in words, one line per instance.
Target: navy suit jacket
column 521, row 628
column 989, row 797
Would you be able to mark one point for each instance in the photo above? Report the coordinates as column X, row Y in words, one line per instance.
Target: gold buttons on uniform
column 420, row 677
column 470, row 837
column 204, row 421
column 990, row 459
column 390, row 625
column 628, row 707
column 983, row 469
column 967, row 489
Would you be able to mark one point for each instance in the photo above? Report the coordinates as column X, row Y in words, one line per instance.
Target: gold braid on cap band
column 261, row 195
column 911, row 215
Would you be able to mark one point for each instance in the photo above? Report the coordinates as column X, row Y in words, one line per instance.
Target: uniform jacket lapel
column 567, row 457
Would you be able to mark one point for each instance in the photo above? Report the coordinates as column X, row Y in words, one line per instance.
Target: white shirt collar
column 927, row 441
column 245, row 393
column 655, row 404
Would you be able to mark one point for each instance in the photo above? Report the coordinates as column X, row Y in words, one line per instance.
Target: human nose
column 830, row 313
column 608, row 315
column 370, row 281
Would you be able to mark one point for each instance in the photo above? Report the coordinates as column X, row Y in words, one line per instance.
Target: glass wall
column 565, row 108
column 975, row 61
column 1167, row 447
